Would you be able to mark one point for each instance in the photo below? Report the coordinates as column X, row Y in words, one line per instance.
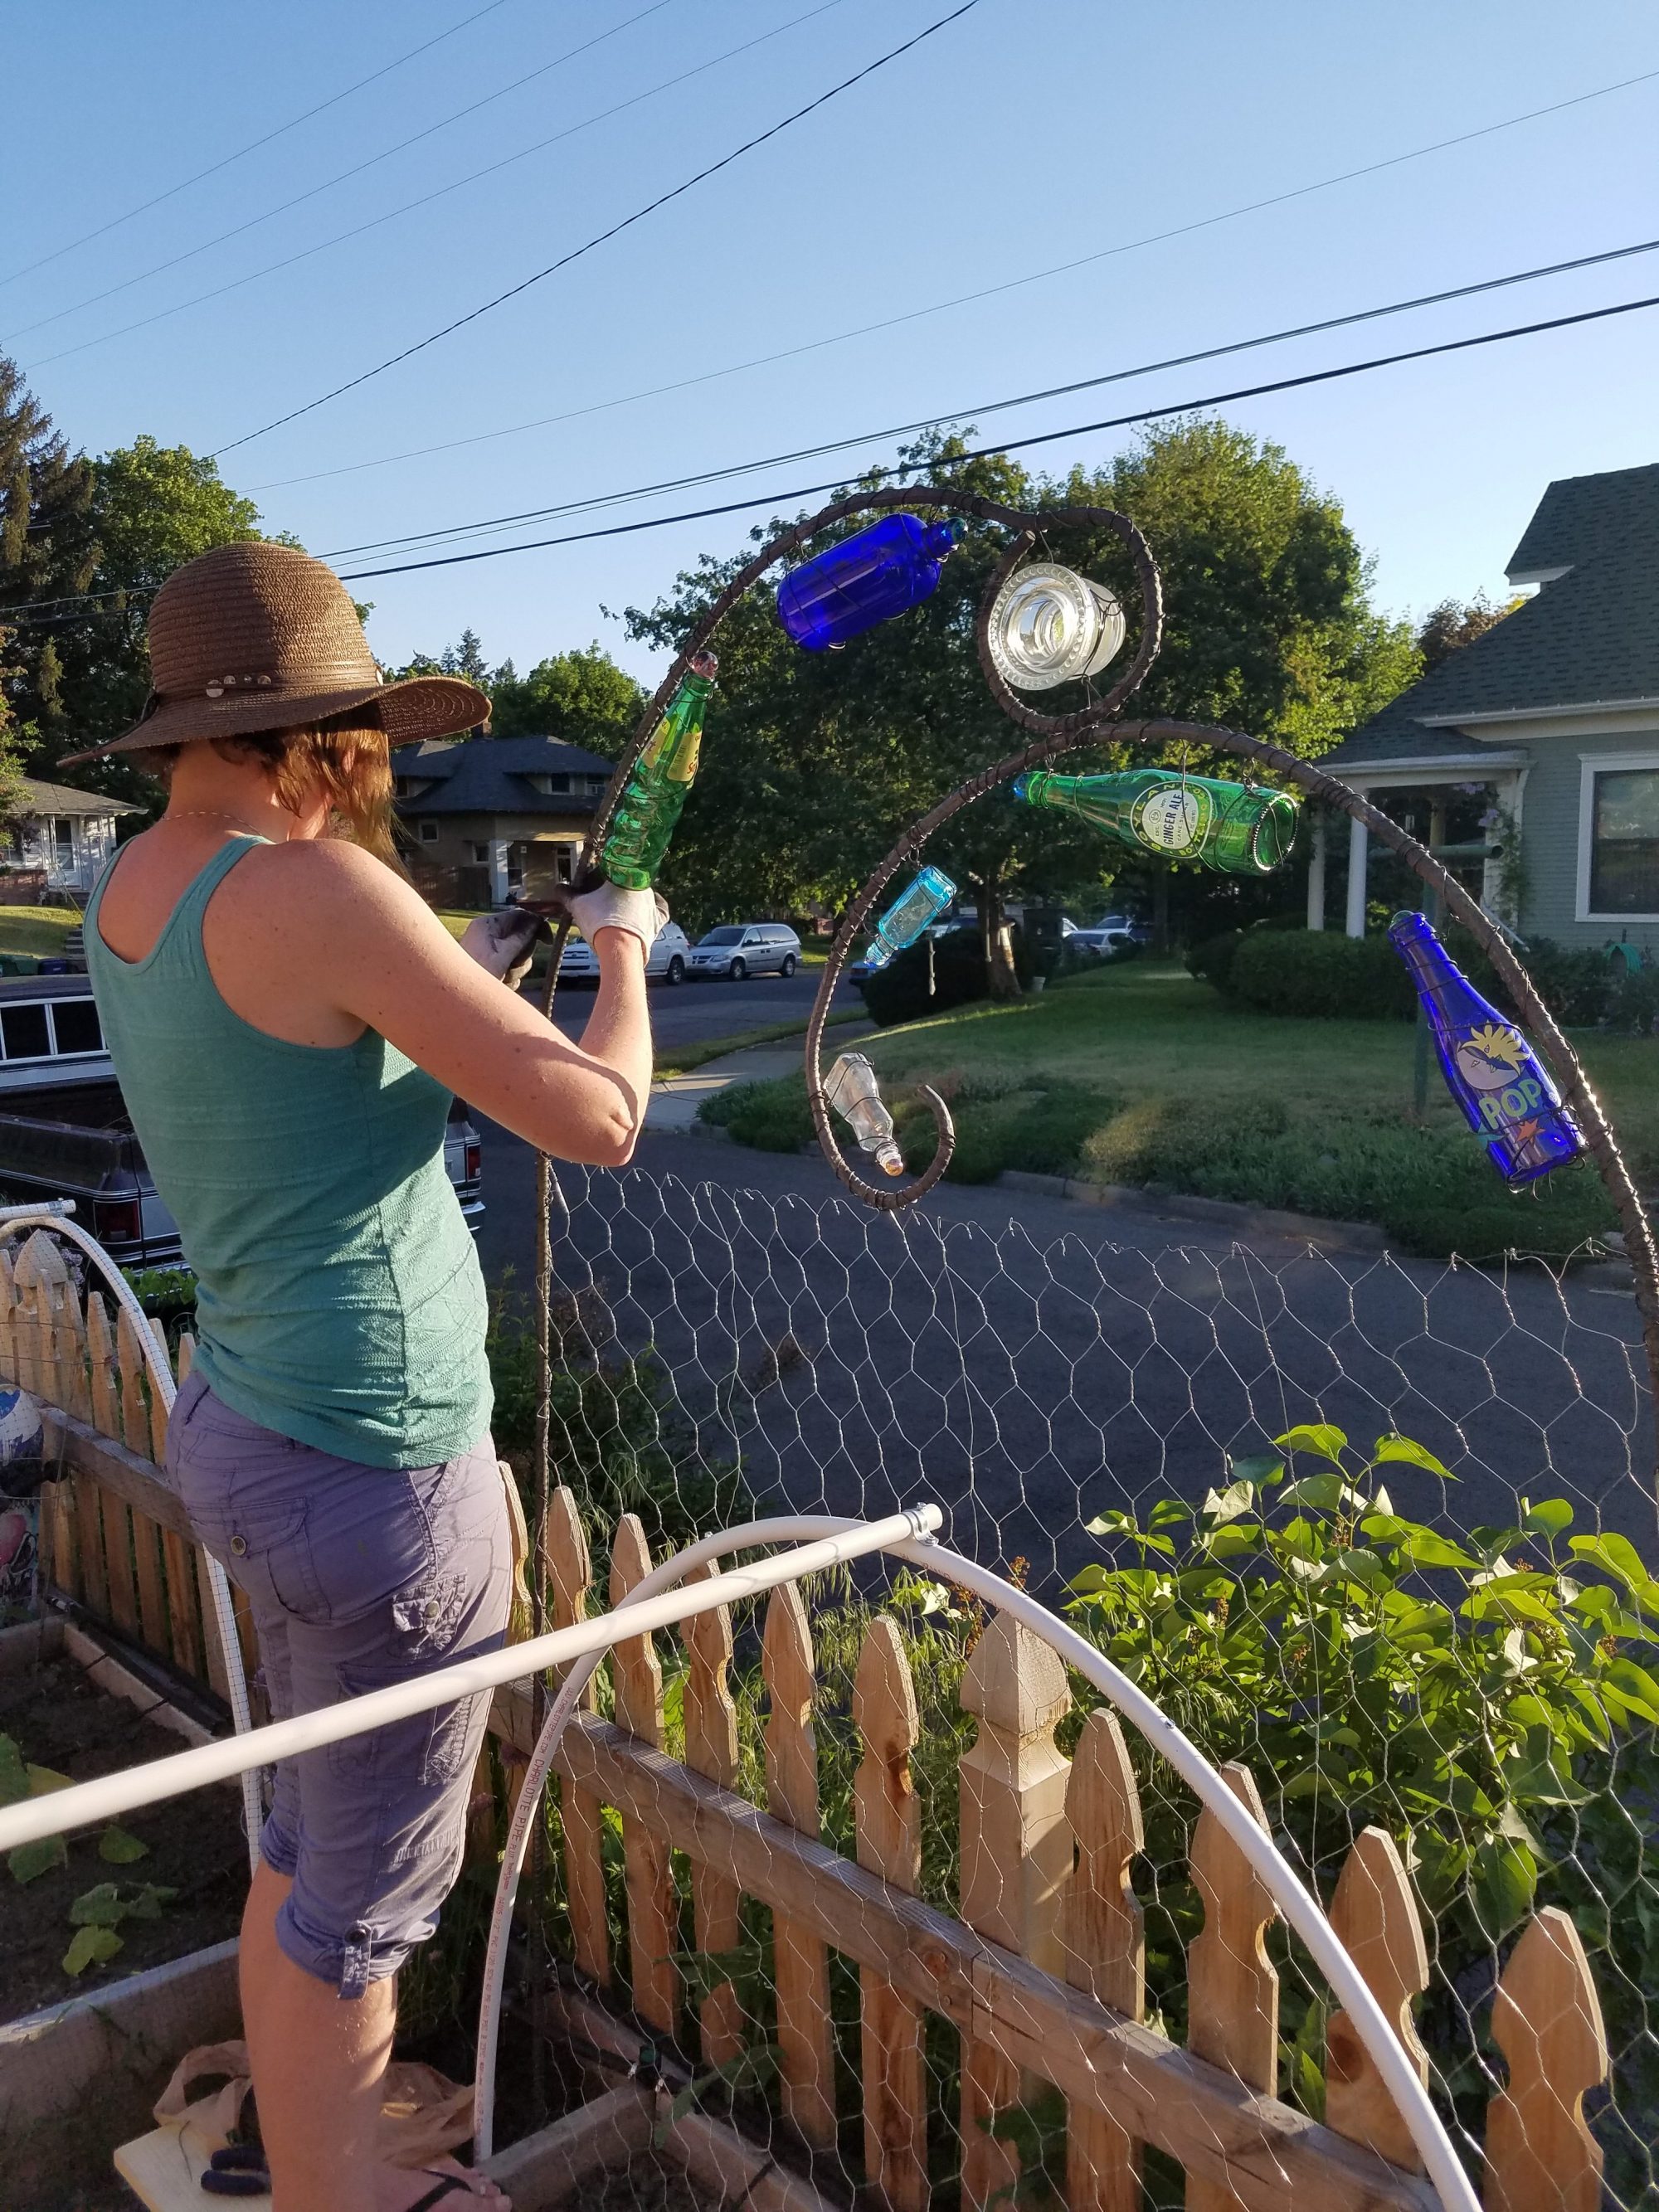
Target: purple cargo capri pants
column 357, row 1576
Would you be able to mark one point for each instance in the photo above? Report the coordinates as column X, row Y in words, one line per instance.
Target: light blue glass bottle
column 875, row 573
column 930, row 892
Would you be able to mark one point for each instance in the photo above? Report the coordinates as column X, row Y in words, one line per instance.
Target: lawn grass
column 681, row 1059
column 1141, row 1074
column 36, row 932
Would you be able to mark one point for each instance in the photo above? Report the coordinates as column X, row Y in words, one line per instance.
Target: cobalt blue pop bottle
column 876, row 572
column 1490, row 1068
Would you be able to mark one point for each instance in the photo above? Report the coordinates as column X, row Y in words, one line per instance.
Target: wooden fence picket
column 1016, row 1862
column 1375, row 1915
column 568, row 1576
column 801, row 1963
column 653, row 1913
column 887, row 1826
column 711, row 1749
column 1105, row 1949
column 1232, row 1990
column 1546, row 2020
column 45, row 1345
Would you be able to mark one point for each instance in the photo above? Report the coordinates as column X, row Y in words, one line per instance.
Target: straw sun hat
column 258, row 636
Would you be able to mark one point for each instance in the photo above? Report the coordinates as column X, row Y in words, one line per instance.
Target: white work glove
column 643, row 913
column 503, row 943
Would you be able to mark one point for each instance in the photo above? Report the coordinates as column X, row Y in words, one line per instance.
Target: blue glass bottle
column 930, row 892
column 876, row 572
column 1490, row 1069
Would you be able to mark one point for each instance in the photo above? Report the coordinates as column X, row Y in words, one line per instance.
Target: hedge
column 1319, row 972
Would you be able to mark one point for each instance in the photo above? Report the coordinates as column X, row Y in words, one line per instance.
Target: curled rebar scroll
column 1050, row 735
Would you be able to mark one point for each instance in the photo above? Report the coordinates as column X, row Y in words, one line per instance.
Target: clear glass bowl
column 1049, row 625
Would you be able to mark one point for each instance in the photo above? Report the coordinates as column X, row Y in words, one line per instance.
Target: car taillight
column 118, row 1220
column 474, row 1167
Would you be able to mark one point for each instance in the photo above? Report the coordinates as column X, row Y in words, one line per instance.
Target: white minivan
column 668, row 959
column 738, row 948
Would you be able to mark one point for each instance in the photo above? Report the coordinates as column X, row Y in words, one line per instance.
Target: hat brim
column 419, row 707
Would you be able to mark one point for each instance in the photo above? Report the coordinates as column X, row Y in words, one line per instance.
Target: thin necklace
column 209, row 814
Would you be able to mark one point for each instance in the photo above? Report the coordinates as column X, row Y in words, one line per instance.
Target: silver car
column 738, row 948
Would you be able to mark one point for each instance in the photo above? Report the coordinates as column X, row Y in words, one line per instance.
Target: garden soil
column 194, row 1845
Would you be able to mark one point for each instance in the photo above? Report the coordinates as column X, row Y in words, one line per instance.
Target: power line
column 1040, row 438
column 37, row 609
column 315, row 190
column 599, row 238
column 253, row 145
column 442, row 191
column 996, row 406
column 963, row 299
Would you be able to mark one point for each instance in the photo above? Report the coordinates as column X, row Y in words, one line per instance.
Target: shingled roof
column 1589, row 637
column 492, row 775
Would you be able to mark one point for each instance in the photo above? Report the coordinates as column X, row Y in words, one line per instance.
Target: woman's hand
column 502, row 944
column 642, row 913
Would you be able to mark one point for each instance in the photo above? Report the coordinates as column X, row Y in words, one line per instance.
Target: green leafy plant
column 19, row 1778
column 97, row 1914
column 1475, row 1696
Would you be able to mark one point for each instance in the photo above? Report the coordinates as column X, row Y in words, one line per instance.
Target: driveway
column 1029, row 1362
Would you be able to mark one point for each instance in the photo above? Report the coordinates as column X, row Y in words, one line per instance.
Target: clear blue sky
column 1017, row 139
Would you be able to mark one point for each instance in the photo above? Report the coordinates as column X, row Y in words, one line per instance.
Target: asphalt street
column 692, row 1012
column 1029, row 1362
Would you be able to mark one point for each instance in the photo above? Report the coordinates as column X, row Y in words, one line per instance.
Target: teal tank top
column 339, row 1300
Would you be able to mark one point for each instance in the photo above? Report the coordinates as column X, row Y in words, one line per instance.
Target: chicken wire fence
column 1380, row 1532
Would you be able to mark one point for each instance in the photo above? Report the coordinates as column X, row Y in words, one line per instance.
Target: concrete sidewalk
column 674, row 1099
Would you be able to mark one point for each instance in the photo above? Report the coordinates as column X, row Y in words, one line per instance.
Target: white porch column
column 1317, row 873
column 1359, row 841
column 498, row 870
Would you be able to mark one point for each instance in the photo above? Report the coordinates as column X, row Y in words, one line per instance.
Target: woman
column 288, row 1020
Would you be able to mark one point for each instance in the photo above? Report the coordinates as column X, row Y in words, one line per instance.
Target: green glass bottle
column 655, row 791
column 1244, row 829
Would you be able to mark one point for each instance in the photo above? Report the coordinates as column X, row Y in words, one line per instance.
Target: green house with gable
column 1553, row 715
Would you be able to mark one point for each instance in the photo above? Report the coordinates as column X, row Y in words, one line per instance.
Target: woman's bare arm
column 313, row 941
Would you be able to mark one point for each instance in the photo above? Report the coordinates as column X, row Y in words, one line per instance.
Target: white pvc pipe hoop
column 1300, row 1908
column 905, row 1536
column 13, row 1218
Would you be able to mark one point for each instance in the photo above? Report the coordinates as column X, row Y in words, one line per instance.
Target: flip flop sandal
column 449, row 2184
column 237, row 2170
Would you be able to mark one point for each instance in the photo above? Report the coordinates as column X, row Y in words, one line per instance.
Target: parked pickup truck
column 65, row 1131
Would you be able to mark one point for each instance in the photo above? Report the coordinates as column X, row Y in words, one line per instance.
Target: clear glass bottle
column 862, row 581
column 656, row 788
column 1243, row 829
column 930, row 891
column 1048, row 625
column 1504, row 1089
column 851, row 1088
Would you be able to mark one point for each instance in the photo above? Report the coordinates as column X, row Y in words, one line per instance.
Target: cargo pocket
column 264, row 1545
column 426, row 1751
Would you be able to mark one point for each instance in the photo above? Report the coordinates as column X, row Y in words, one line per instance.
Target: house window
column 428, row 833
column 1624, row 855
column 480, row 855
column 63, row 840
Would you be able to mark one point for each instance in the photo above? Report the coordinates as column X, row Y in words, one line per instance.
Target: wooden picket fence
column 1039, row 1972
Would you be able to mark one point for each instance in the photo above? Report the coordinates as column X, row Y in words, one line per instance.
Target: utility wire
column 313, row 191
column 442, row 191
column 996, row 406
column 599, row 238
column 253, row 145
column 39, row 608
column 961, row 300
column 1041, row 438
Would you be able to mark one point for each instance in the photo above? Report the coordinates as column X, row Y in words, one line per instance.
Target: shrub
column 1321, row 973
column 1490, row 1701
column 899, row 993
column 772, row 1117
column 1042, row 1129
column 1211, row 962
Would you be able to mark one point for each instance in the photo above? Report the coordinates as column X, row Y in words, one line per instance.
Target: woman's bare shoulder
column 325, row 880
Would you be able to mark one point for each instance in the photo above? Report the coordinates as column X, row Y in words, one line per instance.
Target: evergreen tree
column 48, row 551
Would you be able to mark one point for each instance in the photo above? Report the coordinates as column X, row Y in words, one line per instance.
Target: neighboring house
column 63, row 835
column 1554, row 713
column 493, row 819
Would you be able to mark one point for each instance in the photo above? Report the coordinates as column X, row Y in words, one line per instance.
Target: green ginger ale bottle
column 655, row 792
column 1244, row 829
